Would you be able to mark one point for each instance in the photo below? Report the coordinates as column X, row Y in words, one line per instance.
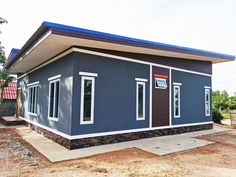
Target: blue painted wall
column 192, row 99
column 115, row 94
column 63, row 67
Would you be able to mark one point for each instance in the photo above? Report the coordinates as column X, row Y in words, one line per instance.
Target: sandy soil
column 17, row 158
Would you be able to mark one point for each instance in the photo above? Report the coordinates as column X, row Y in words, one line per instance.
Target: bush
column 217, row 116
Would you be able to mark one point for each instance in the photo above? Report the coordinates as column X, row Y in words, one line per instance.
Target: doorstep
column 11, row 121
column 158, row 145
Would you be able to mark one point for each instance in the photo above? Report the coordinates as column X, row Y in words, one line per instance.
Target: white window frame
column 161, row 79
column 31, row 85
column 49, row 96
column 207, row 91
column 82, row 121
column 179, row 94
column 88, row 74
column 141, row 79
column 144, row 101
column 54, row 77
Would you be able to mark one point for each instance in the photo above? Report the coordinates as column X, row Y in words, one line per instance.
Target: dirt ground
column 18, row 158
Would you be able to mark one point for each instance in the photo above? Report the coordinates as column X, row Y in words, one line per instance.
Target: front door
column 18, row 103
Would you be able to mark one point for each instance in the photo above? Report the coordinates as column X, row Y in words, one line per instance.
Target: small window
column 176, row 101
column 207, row 102
column 87, row 100
column 140, row 100
column 33, row 92
column 54, row 87
column 160, row 83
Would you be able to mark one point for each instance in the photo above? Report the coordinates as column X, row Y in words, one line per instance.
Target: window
column 54, row 87
column 160, row 83
column 140, row 100
column 176, row 101
column 87, row 100
column 33, row 97
column 207, row 102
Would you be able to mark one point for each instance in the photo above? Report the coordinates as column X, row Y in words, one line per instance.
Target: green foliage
column 217, row 116
column 222, row 100
column 2, row 53
column 5, row 78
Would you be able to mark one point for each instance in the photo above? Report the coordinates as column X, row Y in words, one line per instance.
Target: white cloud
column 204, row 24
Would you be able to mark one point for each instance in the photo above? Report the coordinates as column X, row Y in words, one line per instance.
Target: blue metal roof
column 111, row 38
column 13, row 53
column 163, row 46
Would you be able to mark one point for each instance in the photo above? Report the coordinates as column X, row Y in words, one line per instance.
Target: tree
column 5, row 78
column 2, row 53
column 232, row 103
column 220, row 100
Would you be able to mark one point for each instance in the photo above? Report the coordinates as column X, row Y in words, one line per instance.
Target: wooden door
column 160, row 98
column 18, row 113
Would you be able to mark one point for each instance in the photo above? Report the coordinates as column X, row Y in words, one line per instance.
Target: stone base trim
column 56, row 138
column 100, row 140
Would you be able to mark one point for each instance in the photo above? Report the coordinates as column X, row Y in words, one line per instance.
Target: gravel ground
column 17, row 158
column 16, row 155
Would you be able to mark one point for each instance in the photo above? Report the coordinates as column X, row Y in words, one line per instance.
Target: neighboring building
column 82, row 88
column 9, row 99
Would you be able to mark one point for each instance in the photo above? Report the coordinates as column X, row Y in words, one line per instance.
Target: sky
column 202, row 24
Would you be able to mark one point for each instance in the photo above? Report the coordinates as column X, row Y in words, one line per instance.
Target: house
column 82, row 88
column 9, row 99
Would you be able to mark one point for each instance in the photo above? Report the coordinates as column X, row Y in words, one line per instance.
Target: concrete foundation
column 100, row 140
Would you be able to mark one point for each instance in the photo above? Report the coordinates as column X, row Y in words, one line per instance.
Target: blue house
column 82, row 88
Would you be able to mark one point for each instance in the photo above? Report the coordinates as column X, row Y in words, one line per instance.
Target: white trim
column 137, row 100
column 177, row 83
column 33, row 114
column 31, row 48
column 108, row 133
column 38, row 42
column 207, row 87
column 179, row 90
column 136, row 61
column 109, row 56
column 207, row 91
column 141, row 79
column 33, row 84
column 54, row 77
column 53, row 119
column 19, row 88
column 150, row 98
column 88, row 74
column 82, row 122
column 54, row 101
column 48, row 62
column 23, row 75
column 170, row 99
column 136, row 130
column 47, row 128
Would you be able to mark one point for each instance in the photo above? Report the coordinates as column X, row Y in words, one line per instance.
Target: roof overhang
column 52, row 39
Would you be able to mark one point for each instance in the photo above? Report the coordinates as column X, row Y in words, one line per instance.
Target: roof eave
column 31, row 41
column 110, row 38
